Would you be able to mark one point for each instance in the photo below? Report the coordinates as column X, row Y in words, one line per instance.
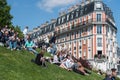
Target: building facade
column 87, row 29
column 118, row 62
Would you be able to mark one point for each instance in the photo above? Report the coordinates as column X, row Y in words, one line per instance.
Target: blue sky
column 33, row 13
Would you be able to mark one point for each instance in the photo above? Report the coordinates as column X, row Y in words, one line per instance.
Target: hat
column 113, row 69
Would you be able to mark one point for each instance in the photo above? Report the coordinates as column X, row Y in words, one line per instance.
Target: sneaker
column 86, row 74
column 18, row 49
column 14, row 48
column 8, row 47
column 51, row 54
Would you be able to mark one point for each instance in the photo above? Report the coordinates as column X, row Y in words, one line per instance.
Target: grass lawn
column 16, row 65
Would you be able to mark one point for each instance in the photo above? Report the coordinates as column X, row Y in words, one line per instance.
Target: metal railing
column 80, row 24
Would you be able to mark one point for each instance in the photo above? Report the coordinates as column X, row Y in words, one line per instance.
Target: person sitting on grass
column 78, row 68
column 67, row 63
column 29, row 46
column 55, row 59
column 85, row 63
column 40, row 60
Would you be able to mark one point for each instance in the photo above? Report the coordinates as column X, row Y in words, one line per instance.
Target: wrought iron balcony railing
column 80, row 25
column 100, row 58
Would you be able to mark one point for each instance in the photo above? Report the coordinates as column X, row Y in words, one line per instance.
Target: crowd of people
column 63, row 58
column 9, row 38
column 66, row 61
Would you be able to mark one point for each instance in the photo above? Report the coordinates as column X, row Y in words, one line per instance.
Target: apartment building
column 87, row 29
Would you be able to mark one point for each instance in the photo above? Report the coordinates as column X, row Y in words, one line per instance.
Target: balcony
column 80, row 25
column 99, row 58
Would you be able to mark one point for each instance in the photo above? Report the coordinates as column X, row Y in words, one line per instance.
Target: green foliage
column 17, row 29
column 5, row 16
column 17, row 65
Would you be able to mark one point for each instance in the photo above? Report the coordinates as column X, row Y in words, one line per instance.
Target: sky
column 33, row 13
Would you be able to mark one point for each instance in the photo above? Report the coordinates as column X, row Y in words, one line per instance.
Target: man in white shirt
column 25, row 32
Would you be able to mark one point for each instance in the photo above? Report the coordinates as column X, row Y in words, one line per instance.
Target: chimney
column 42, row 25
column 53, row 20
column 62, row 13
column 71, row 8
column 87, row 1
column 76, row 6
column 82, row 3
column 47, row 22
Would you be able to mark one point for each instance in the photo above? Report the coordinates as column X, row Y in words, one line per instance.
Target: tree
column 5, row 16
column 17, row 29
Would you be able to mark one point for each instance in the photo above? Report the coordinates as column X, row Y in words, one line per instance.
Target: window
column 77, row 13
column 99, row 29
column 99, row 52
column 80, row 47
column 45, row 30
column 85, row 8
column 75, row 20
column 98, row 6
column 99, row 42
column 81, row 11
column 74, row 48
column 89, row 44
column 85, row 53
column 75, row 35
column 71, row 16
column 63, row 19
column 59, row 21
column 84, row 41
column 70, row 37
column 98, row 17
column 67, row 17
column 67, row 35
column 80, row 33
column 54, row 25
column 80, row 52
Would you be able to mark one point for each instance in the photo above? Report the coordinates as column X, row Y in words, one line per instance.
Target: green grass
column 16, row 65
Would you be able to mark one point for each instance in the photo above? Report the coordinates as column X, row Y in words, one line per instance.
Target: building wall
column 89, row 44
column 88, row 35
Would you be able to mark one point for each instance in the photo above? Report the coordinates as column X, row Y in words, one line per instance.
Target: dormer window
column 98, row 6
column 81, row 11
column 59, row 21
column 67, row 17
column 63, row 19
column 77, row 12
column 72, row 15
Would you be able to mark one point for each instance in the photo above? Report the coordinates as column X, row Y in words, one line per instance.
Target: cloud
column 49, row 5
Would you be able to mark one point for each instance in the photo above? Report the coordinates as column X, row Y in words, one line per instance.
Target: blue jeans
column 13, row 44
column 31, row 49
column 54, row 49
